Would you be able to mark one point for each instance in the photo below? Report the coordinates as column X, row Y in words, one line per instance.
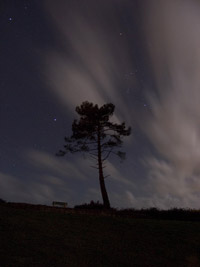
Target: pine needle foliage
column 96, row 135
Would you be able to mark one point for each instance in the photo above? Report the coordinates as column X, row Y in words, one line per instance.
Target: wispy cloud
column 174, row 39
column 75, row 177
column 94, row 59
column 88, row 66
column 31, row 190
column 60, row 166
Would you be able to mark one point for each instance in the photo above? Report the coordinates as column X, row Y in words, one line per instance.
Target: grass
column 30, row 237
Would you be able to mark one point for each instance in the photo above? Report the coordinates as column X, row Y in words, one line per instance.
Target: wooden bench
column 59, row 203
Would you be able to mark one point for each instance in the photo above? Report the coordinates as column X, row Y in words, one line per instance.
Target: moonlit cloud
column 117, row 176
column 13, row 189
column 67, row 174
column 174, row 47
column 89, row 65
column 95, row 61
column 60, row 166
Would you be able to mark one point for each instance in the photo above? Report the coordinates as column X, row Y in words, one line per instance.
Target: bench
column 58, row 203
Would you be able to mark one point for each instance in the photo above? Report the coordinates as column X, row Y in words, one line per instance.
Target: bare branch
column 95, row 155
column 94, row 167
column 108, row 154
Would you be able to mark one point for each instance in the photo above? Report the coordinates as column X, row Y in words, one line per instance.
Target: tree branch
column 108, row 154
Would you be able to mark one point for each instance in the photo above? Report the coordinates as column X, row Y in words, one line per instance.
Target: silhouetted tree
column 96, row 135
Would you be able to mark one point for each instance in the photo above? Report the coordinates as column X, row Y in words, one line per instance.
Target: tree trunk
column 104, row 193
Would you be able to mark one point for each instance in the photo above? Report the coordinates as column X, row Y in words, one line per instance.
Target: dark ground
column 45, row 237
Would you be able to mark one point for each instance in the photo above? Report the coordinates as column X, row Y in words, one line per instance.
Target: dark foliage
column 2, row 201
column 154, row 213
column 92, row 206
column 93, row 123
column 178, row 214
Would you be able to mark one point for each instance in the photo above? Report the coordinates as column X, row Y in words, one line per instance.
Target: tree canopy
column 95, row 134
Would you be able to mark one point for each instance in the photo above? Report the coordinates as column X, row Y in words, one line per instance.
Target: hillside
column 39, row 237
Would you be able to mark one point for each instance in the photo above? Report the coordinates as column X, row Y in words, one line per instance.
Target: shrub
column 92, row 206
column 2, row 201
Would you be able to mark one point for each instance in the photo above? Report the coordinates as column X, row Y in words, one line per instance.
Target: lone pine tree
column 96, row 135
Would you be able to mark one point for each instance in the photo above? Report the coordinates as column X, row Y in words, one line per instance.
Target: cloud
column 14, row 189
column 73, row 180
column 58, row 165
column 11, row 187
column 117, row 176
column 87, row 66
column 93, row 59
column 53, row 179
column 173, row 33
column 39, row 188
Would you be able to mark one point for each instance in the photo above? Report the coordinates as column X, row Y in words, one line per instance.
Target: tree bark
column 104, row 193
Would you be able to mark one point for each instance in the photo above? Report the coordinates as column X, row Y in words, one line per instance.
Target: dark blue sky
column 55, row 55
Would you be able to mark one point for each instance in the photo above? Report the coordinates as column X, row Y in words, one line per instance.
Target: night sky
column 142, row 56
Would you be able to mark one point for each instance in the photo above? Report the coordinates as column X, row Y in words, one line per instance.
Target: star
column 10, row 19
column 55, row 119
